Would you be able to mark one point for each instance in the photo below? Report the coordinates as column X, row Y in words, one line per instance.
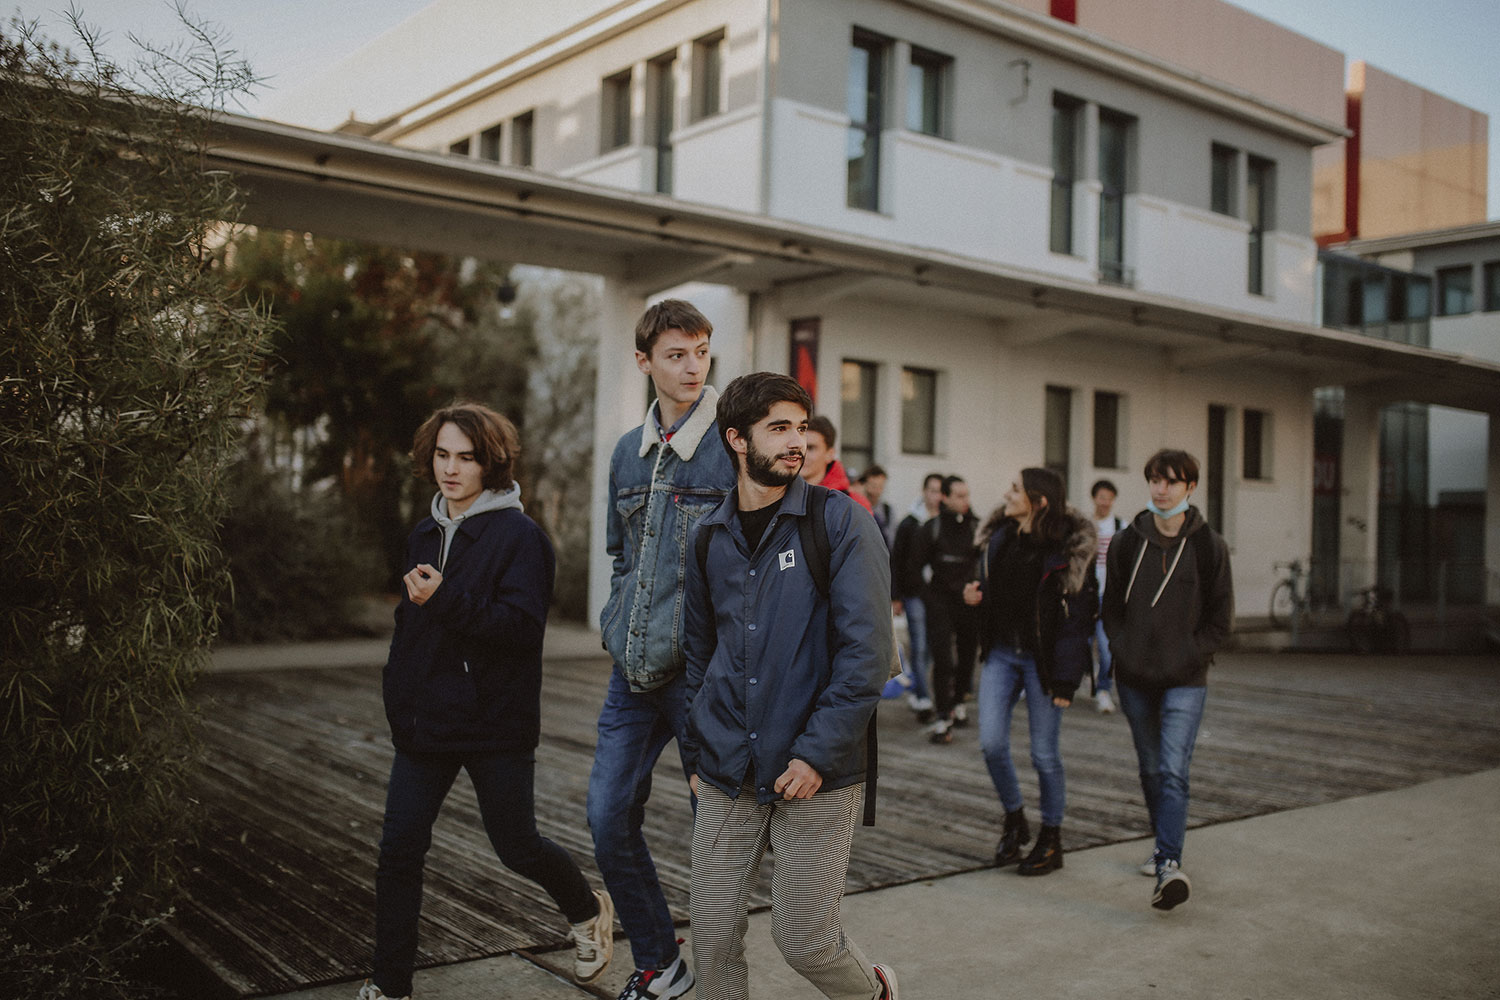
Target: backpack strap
column 812, row 532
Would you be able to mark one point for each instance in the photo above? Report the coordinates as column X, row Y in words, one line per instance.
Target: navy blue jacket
column 465, row 668
column 774, row 670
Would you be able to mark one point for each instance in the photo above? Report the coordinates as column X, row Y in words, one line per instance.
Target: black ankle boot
column 1016, row 834
column 1046, row 855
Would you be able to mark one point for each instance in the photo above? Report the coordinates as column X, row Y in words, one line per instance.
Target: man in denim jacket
column 663, row 476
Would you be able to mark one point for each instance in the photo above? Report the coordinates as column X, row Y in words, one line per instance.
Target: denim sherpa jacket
column 658, row 491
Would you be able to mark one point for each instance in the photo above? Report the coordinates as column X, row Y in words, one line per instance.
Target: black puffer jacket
column 1067, row 602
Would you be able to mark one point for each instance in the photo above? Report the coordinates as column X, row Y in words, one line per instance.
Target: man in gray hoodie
column 1168, row 607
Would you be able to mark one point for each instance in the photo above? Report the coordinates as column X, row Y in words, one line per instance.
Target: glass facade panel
column 663, row 79
column 866, row 99
column 1492, row 286
column 857, row 415
column 1065, row 118
column 1455, row 290
column 1058, row 430
column 616, row 112
column 489, row 144
column 1114, row 139
column 522, row 140
column 1221, row 193
column 708, row 72
column 1106, row 430
column 924, row 92
column 1259, row 212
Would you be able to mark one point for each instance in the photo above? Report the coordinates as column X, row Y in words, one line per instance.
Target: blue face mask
column 1165, row 514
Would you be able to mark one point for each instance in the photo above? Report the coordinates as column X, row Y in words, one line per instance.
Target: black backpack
column 812, row 533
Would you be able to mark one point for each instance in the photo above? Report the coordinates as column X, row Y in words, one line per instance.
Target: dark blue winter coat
column 768, row 680
column 465, row 668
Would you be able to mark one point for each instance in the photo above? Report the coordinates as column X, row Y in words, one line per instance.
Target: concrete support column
column 1360, row 480
column 1492, row 514
column 1087, row 191
column 619, row 404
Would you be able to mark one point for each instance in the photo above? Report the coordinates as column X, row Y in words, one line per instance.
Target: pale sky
column 1448, row 46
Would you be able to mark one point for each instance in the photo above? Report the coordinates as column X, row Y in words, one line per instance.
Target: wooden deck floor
column 281, row 889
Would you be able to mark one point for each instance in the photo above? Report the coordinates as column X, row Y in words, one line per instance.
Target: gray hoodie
column 487, row 501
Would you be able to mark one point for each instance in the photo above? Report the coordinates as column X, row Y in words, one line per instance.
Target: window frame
column 1064, row 434
column 1112, row 193
column 1489, row 284
column 1442, row 277
column 867, row 128
column 911, row 430
column 1067, row 118
column 924, row 66
column 614, row 111
column 523, row 139
column 708, row 76
column 1114, row 458
column 860, row 420
column 489, row 143
column 1255, row 445
column 1223, row 171
column 1260, row 212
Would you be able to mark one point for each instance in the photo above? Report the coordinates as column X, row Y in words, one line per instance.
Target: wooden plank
column 281, row 891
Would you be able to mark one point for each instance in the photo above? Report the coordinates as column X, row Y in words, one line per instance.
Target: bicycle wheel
column 1361, row 632
column 1396, row 635
column 1283, row 604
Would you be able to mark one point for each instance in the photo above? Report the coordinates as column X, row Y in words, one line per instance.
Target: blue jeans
column 634, row 729
column 1103, row 676
column 1164, row 725
column 1006, row 673
column 921, row 656
column 419, row 784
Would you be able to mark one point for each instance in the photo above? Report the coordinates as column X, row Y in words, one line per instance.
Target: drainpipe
column 772, row 18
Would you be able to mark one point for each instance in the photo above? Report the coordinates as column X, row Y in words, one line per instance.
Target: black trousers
column 953, row 638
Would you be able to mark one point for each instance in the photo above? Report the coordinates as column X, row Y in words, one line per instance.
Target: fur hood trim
column 690, row 435
column 1081, row 548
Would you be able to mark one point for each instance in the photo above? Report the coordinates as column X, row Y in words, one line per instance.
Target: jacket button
column 755, row 736
column 752, row 572
column 754, row 681
column 751, row 626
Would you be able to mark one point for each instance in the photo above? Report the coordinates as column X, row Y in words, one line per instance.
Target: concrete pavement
column 1389, row 895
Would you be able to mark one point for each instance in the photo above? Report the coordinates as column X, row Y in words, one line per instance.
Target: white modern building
column 985, row 234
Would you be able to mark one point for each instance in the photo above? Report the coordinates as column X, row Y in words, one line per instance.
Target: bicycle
column 1290, row 604
column 1376, row 627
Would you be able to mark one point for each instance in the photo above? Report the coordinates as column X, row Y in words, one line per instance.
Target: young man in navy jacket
column 463, row 690
column 782, row 679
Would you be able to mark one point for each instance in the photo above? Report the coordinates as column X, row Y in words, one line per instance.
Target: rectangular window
column 1260, row 202
column 661, row 79
column 1256, row 457
column 866, row 103
column 459, row 148
column 489, row 144
column 523, row 140
column 1492, row 286
column 1106, row 430
column 1058, row 430
column 1221, row 194
column 926, row 92
column 918, row 411
column 1455, row 290
column 857, row 415
column 615, row 108
column 1114, row 153
column 708, row 74
column 1066, row 114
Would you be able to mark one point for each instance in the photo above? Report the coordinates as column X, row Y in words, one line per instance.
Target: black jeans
column 419, row 784
column 951, row 623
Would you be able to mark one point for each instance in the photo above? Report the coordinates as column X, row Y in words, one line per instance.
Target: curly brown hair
column 495, row 439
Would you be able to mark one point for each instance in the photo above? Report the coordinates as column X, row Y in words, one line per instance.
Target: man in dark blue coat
column 463, row 690
column 781, row 682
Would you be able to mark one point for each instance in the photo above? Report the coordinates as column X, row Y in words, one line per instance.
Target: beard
column 762, row 467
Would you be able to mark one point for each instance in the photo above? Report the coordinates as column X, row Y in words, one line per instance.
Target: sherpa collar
column 690, row 434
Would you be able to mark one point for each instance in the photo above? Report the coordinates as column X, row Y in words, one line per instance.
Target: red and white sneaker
column 887, row 977
column 659, row 984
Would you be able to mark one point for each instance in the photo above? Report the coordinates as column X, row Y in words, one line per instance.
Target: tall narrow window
column 1455, row 290
column 1106, row 430
column 857, row 415
column 866, row 100
column 1213, row 469
column 489, row 144
column 615, row 119
column 1114, row 152
column 1260, row 204
column 708, row 74
column 661, row 77
column 1255, row 459
column 926, row 92
column 1492, row 286
column 1221, row 179
column 459, row 148
column 918, row 411
column 523, row 140
column 1065, row 119
column 1058, row 430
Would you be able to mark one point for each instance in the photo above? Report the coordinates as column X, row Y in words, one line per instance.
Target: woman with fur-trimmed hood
column 1038, row 598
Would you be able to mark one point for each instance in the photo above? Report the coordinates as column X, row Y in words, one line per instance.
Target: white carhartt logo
column 788, row 559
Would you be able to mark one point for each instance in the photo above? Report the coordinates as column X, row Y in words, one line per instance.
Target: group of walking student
column 750, row 618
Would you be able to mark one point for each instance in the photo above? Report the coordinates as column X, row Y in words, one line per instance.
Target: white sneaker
column 887, row 978
column 594, row 941
column 659, row 984
column 960, row 714
column 918, row 704
column 1148, row 868
column 369, row 991
column 1104, row 703
column 1172, row 886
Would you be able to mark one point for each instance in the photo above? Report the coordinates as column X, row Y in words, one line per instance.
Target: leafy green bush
column 125, row 368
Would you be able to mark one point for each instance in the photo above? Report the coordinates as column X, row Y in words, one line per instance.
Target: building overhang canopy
column 353, row 187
